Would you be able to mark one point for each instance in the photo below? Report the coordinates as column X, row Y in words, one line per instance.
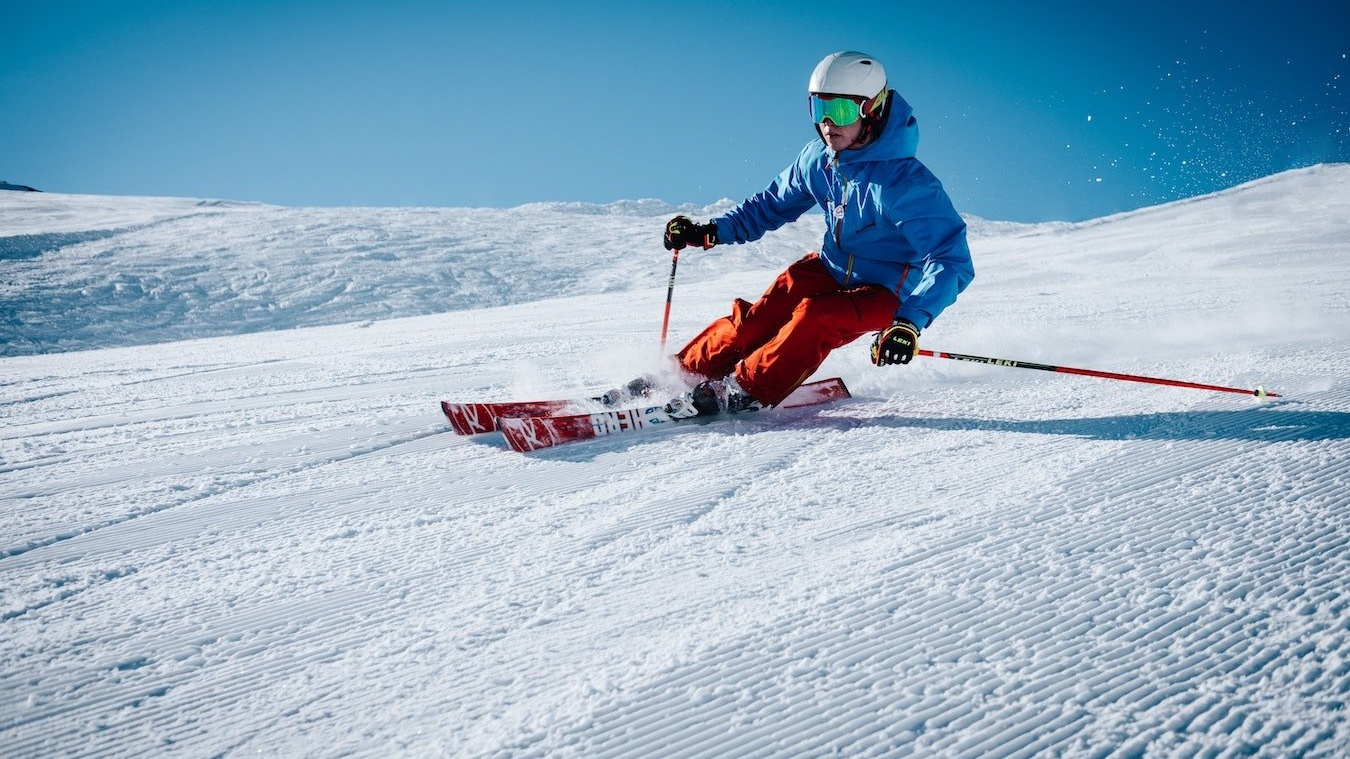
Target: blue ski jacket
column 888, row 220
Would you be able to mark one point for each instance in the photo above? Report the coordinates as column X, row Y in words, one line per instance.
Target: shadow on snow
column 1268, row 424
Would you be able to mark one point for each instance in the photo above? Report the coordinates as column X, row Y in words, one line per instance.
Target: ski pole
column 1259, row 392
column 670, row 294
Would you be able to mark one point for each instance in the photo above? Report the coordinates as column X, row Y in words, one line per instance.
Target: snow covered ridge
column 272, row 544
column 85, row 272
column 88, row 272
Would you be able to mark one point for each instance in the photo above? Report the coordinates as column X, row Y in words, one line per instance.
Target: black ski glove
column 896, row 344
column 682, row 232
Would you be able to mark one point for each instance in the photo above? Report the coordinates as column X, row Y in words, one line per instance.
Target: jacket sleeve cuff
column 916, row 317
column 724, row 234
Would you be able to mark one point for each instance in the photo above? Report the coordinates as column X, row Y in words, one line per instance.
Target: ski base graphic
column 532, row 433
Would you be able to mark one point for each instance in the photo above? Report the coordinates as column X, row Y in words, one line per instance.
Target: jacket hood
column 899, row 136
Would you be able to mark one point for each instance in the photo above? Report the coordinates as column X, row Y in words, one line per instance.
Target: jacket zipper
column 838, row 212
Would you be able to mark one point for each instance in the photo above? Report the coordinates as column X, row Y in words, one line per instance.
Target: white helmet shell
column 849, row 73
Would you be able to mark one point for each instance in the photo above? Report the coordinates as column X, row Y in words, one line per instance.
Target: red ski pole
column 670, row 294
column 1259, row 392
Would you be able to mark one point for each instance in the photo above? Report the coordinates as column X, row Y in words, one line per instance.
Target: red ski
column 477, row 418
column 532, row 433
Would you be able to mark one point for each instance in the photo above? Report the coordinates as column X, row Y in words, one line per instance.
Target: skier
column 894, row 254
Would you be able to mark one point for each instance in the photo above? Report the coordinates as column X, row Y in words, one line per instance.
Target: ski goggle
column 841, row 110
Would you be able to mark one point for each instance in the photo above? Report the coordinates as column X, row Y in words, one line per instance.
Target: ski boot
column 638, row 388
column 711, row 398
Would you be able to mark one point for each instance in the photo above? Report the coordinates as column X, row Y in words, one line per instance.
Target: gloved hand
column 896, row 344
column 681, row 232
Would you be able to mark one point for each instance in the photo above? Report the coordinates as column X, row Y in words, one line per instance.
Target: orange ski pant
column 776, row 343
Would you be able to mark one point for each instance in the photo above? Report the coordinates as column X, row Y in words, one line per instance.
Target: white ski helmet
column 849, row 73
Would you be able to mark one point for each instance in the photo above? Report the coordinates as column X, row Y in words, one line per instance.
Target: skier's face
column 840, row 137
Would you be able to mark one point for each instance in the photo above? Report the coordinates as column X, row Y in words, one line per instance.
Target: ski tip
column 531, row 433
column 469, row 418
column 522, row 434
column 517, row 438
column 451, row 411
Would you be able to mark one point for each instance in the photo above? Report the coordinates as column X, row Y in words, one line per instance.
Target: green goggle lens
column 841, row 111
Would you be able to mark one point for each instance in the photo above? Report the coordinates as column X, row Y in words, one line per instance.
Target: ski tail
column 532, row 433
column 816, row 393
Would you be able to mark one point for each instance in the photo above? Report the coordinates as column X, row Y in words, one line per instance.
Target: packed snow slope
column 267, row 540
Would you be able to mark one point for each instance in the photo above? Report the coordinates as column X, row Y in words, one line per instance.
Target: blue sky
column 1028, row 111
